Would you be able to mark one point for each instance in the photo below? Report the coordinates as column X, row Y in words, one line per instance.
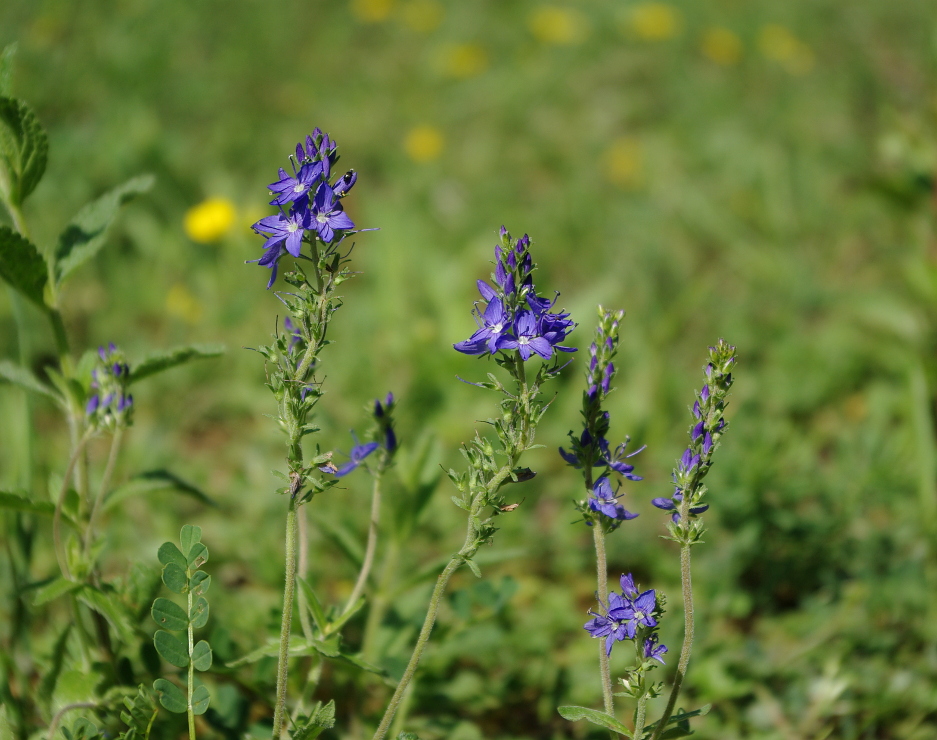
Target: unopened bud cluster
column 110, row 405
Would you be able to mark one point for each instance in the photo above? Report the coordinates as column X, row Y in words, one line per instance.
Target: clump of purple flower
column 314, row 205
column 629, row 615
column 109, row 402
column 513, row 316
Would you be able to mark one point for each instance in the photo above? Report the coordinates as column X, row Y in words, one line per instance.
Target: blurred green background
column 759, row 171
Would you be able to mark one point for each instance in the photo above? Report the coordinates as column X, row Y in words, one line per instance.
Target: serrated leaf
column 169, row 615
column 169, row 553
column 24, row 149
column 13, row 502
column 172, row 358
column 197, row 555
column 312, row 601
column 112, row 609
column 201, row 656
column 155, row 480
column 175, row 579
column 23, row 378
column 200, row 700
column 199, row 614
column 573, row 714
column 170, row 696
column 171, row 648
column 22, row 266
column 58, row 587
column 86, row 232
column 200, row 582
column 189, row 536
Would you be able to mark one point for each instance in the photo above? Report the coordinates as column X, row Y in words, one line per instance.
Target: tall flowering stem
column 514, row 325
column 590, row 450
column 310, row 226
column 686, row 504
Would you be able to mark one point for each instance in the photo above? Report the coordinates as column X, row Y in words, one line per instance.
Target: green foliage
column 81, row 729
column 22, row 266
column 574, row 714
column 24, row 148
column 321, row 718
column 139, row 716
column 162, row 361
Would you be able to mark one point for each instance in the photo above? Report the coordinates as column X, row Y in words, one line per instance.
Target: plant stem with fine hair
column 288, row 593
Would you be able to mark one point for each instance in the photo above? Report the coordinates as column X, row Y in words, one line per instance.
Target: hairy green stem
column 60, row 502
column 190, row 684
column 288, row 593
column 371, row 545
column 601, row 573
column 116, row 442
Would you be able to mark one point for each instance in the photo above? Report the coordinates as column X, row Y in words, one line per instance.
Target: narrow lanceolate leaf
column 312, row 601
column 199, row 614
column 13, row 502
column 200, row 699
column 85, row 234
column 22, row 266
column 112, row 609
column 169, row 615
column 170, row 696
column 596, row 717
column 177, row 356
column 23, row 150
column 51, row 591
column 12, row 373
column 171, row 648
column 201, row 656
column 153, row 481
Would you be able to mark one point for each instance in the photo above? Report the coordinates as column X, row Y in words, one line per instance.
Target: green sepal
column 574, row 714
column 175, row 579
column 171, row 648
column 169, row 615
column 22, row 266
column 23, row 378
column 189, row 536
column 201, row 655
column 200, row 700
column 85, row 234
column 200, row 582
column 24, row 149
column 172, row 358
column 199, row 613
column 170, row 696
column 170, row 554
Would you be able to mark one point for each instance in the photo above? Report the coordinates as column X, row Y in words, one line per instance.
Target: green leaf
column 199, row 614
column 20, row 503
column 51, row 677
column 22, row 266
column 171, row 648
column 682, row 719
column 574, row 714
column 408, row 736
column 86, row 232
column 201, row 656
column 24, row 148
column 298, row 648
column 20, row 376
column 200, row 699
column 169, row 553
column 200, row 582
column 6, row 729
column 197, row 555
column 189, row 535
column 141, row 711
column 473, row 566
column 58, row 587
column 315, row 606
column 6, row 69
column 111, row 609
column 178, row 356
column 340, row 622
column 169, row 615
column 155, row 480
column 170, row 696
column 323, row 718
column 175, row 579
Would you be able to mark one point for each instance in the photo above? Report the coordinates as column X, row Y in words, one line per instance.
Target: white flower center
column 299, row 187
column 321, row 218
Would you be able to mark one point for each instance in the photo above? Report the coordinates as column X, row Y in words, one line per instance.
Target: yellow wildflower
column 721, row 46
column 209, row 220
column 624, row 163
column 465, row 60
column 422, row 16
column 371, row 11
column 560, row 26
column 779, row 45
column 423, row 143
column 655, row 21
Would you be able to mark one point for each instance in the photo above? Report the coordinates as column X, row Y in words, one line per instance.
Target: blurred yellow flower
column 465, row 60
column 422, row 16
column 209, row 220
column 183, row 305
column 780, row 45
column 561, row 26
column 721, row 46
column 371, row 11
column 624, row 163
column 424, row 143
column 655, row 21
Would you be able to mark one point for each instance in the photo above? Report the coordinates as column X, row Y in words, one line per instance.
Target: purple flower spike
column 704, row 394
column 328, row 214
column 528, row 339
column 697, row 431
column 604, row 501
column 707, row 443
column 92, row 404
column 295, row 188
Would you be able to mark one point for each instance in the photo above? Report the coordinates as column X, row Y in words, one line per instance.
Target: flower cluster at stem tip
column 110, row 404
column 315, row 208
column 629, row 615
column 383, row 414
column 514, row 317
